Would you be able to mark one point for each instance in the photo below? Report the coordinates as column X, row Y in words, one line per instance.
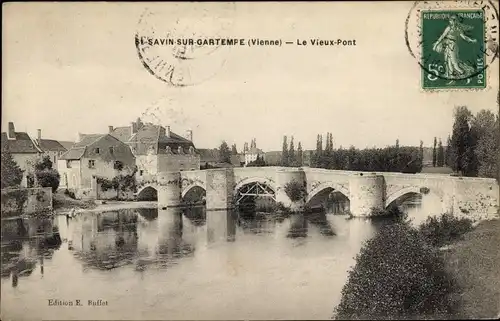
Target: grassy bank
column 475, row 263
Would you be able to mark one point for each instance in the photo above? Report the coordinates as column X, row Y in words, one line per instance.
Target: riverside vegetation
column 402, row 273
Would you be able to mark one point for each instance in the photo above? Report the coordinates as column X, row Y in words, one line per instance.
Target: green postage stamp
column 453, row 49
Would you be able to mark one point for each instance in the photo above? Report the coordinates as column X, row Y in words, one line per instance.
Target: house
column 158, row 149
column 252, row 154
column 94, row 155
column 23, row 149
column 50, row 147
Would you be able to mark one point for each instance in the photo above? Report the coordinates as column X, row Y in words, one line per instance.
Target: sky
column 73, row 67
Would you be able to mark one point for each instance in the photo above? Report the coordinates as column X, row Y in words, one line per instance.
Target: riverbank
column 108, row 206
column 475, row 262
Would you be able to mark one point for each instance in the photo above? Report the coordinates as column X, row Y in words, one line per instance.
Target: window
column 118, row 165
column 141, row 172
column 91, row 163
column 111, row 150
column 97, row 150
column 68, row 164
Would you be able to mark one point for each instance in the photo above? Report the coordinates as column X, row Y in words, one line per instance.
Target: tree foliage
column 224, row 153
column 12, row 174
column 46, row 176
column 234, row 151
column 295, row 190
column 440, row 154
column 284, row 153
column 397, row 275
column 434, row 153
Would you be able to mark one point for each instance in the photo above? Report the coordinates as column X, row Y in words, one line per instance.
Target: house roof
column 22, row 144
column 150, row 135
column 66, row 144
column 87, row 139
column 122, row 133
column 78, row 149
column 51, row 145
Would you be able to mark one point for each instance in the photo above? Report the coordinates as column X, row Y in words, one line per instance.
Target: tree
column 46, row 176
column 447, row 154
column 300, row 156
column 461, row 141
column 224, row 153
column 291, row 153
column 434, row 153
column 397, row 143
column 12, row 174
column 421, row 151
column 440, row 154
column 234, row 151
column 485, row 137
column 284, row 153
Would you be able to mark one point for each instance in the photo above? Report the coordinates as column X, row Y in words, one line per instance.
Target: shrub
column 48, row 178
column 397, row 276
column 442, row 230
column 295, row 190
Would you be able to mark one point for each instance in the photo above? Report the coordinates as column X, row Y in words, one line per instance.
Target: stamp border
column 424, row 71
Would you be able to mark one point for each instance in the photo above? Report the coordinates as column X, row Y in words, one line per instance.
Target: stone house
column 157, row 148
column 50, row 147
column 94, row 155
column 23, row 149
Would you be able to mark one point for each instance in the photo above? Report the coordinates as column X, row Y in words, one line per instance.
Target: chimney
column 189, row 134
column 167, row 133
column 110, row 129
column 39, row 132
column 11, row 134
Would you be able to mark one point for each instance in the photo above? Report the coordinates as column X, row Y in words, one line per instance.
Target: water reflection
column 299, row 262
column 25, row 243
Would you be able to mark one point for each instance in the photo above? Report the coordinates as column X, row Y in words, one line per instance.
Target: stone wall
column 26, row 201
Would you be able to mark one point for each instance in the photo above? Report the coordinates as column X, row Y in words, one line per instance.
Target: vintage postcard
column 250, row 161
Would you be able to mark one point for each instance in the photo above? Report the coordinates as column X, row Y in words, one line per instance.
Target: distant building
column 252, row 153
column 50, row 147
column 99, row 155
column 23, row 149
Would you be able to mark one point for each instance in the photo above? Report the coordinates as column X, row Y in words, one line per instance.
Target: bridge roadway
column 365, row 190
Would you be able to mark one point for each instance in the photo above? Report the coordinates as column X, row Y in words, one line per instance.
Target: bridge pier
column 221, row 226
column 285, row 176
column 219, row 191
column 169, row 189
column 367, row 193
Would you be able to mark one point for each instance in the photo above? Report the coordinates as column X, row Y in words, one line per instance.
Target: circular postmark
column 453, row 42
column 181, row 44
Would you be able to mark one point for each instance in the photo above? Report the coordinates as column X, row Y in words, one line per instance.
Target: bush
column 48, row 178
column 296, row 191
column 440, row 231
column 397, row 276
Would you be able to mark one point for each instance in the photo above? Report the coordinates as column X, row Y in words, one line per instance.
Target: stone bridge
column 365, row 190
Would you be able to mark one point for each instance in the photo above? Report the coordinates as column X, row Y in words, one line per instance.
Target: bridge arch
column 191, row 186
column 147, row 193
column 325, row 186
column 258, row 186
column 407, row 191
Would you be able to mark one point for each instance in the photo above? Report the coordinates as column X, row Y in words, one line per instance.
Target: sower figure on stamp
column 448, row 45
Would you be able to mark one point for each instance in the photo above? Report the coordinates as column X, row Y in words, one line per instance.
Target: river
column 181, row 264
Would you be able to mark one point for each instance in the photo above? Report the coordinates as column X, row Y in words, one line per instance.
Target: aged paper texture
column 239, row 161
